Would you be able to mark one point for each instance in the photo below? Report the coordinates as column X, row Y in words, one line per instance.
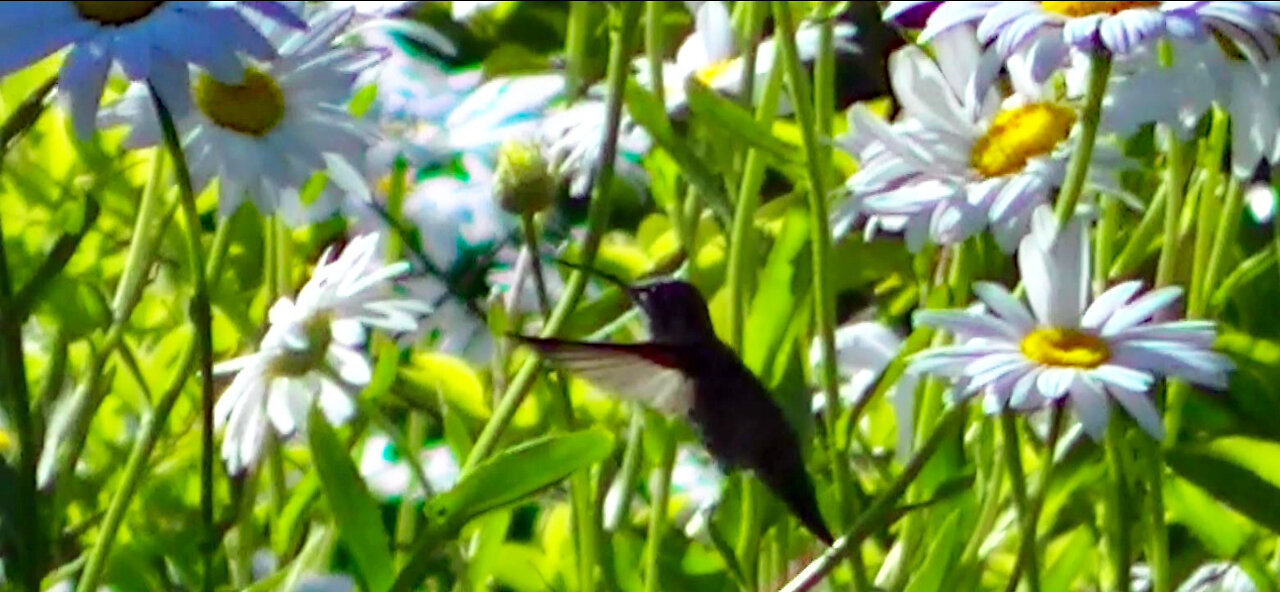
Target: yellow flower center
column 1069, row 348
column 1018, row 135
column 1079, row 9
column 300, row 362
column 253, row 107
column 708, row 74
column 115, row 12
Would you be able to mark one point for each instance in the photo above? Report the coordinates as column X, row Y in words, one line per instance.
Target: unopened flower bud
column 523, row 183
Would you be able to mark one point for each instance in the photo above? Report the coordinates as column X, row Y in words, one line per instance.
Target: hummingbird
column 686, row 371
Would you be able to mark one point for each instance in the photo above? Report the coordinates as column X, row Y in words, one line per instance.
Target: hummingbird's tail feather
column 791, row 483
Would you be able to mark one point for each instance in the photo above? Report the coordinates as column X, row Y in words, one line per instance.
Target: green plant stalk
column 1026, row 518
column 1152, row 456
column 654, row 45
column 1136, row 248
column 742, row 243
column 658, row 513
column 1118, row 500
column 1228, row 227
column 407, row 517
column 1105, row 241
column 201, row 316
column 135, row 468
column 13, row 375
column 530, row 229
column 1152, row 459
column 1078, row 166
column 824, row 310
column 748, row 547
column 597, row 218
column 631, row 461
column 1211, row 163
column 880, row 512
column 1174, row 176
column 575, row 48
column 24, row 116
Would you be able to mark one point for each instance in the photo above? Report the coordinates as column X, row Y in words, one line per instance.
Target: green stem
column 1158, row 544
column 407, row 516
column 139, row 461
column 25, row 116
column 1138, row 247
column 1118, row 502
column 13, row 377
column 880, row 510
column 654, row 46
column 1228, row 226
column 1104, row 251
column 597, row 218
column 1207, row 211
column 1078, row 166
column 658, row 511
column 201, row 316
column 742, row 244
column 1018, row 481
column 535, row 258
column 748, row 547
column 575, row 48
column 1175, row 176
column 631, row 461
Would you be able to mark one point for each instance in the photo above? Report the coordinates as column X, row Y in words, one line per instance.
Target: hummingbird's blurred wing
column 642, row 372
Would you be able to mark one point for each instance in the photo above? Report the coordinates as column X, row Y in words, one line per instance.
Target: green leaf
column 354, row 510
column 940, row 558
column 1241, row 489
column 644, row 107
column 775, row 294
column 516, row 473
column 730, row 118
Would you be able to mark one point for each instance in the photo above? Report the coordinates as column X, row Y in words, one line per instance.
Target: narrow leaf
column 1238, row 487
column 354, row 510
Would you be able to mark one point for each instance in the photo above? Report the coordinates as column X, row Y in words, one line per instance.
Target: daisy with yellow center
column 1065, row 349
column 264, row 136
column 312, row 353
column 956, row 162
column 1046, row 33
column 151, row 41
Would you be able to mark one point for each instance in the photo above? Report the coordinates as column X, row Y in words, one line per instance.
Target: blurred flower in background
column 389, row 475
column 863, row 351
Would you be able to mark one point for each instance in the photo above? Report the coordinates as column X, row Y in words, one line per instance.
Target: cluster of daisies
column 990, row 114
column 992, row 99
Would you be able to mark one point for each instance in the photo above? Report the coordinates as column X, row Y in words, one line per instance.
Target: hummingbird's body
column 686, row 370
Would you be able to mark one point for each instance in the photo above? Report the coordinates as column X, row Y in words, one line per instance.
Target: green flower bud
column 523, row 183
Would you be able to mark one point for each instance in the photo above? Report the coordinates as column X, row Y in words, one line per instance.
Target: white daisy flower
column 574, row 137
column 152, row 41
column 264, row 138
column 389, row 476
column 1045, row 34
column 957, row 162
column 1142, row 91
column 465, row 11
column 863, row 351
column 501, row 109
column 711, row 54
column 1066, row 349
column 312, row 352
column 696, row 485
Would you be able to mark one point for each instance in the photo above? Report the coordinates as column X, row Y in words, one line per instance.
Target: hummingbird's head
column 676, row 310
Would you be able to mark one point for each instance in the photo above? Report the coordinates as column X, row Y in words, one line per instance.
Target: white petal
column 1141, row 409
column 1091, row 406
column 1140, row 310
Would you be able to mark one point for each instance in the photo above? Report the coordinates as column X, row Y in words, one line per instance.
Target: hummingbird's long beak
column 613, row 279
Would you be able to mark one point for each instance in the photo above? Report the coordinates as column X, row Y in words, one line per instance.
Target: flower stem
column 742, row 238
column 575, row 48
column 32, row 551
column 535, row 262
column 1158, row 544
column 658, row 511
column 654, row 45
column 632, row 458
column 1078, row 166
column 597, row 218
column 820, row 235
column 1207, row 210
column 879, row 512
column 201, row 316
column 139, row 460
column 1026, row 518
column 1175, row 175
column 1117, row 515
